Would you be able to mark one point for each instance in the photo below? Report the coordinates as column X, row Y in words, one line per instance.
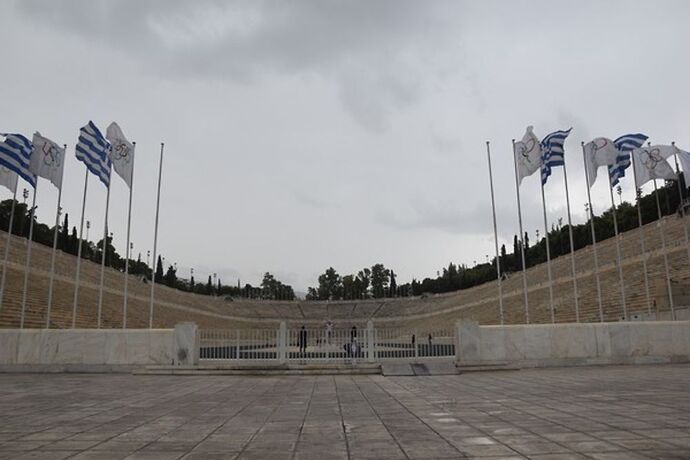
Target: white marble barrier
column 537, row 345
column 186, row 344
column 86, row 347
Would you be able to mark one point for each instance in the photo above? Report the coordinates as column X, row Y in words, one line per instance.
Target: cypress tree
column 159, row 271
column 64, row 234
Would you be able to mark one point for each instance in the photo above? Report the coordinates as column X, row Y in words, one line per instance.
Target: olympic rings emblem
column 526, row 148
column 51, row 155
column 651, row 158
column 121, row 152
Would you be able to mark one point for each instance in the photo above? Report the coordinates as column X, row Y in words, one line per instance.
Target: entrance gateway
column 295, row 344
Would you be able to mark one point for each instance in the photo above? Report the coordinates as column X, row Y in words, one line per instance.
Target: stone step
column 464, row 368
column 264, row 369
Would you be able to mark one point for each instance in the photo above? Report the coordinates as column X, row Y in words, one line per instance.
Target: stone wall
column 84, row 350
column 543, row 345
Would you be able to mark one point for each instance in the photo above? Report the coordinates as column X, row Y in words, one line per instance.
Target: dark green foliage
column 392, row 291
column 159, row 271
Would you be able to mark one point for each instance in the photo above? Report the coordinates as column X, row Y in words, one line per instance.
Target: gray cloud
column 371, row 51
column 305, row 134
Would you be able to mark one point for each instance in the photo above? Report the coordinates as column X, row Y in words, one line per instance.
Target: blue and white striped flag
column 15, row 155
column 93, row 149
column 624, row 145
column 552, row 152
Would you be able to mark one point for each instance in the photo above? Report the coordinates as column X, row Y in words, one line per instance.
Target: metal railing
column 325, row 344
column 238, row 344
column 412, row 344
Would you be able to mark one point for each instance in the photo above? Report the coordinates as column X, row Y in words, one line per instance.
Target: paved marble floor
column 602, row 413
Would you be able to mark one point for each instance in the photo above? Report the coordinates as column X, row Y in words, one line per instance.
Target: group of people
column 351, row 348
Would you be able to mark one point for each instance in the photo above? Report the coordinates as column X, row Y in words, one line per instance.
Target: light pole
column 25, row 194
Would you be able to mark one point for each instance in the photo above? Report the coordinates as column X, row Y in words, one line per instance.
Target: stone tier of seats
column 434, row 311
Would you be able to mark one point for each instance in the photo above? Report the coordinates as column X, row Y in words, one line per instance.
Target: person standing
column 302, row 340
column 354, row 348
column 329, row 331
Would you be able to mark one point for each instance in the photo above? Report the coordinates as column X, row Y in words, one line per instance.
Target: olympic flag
column 47, row 159
column 650, row 163
column 121, row 153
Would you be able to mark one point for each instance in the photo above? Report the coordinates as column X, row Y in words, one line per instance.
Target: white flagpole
column 618, row 253
column 638, row 195
column 103, row 252
column 522, row 237
column 129, row 226
column 548, row 250
column 572, row 245
column 594, row 238
column 498, row 259
column 663, row 249
column 680, row 200
column 28, row 255
column 155, row 238
column 58, row 211
column 81, row 233
column 7, row 244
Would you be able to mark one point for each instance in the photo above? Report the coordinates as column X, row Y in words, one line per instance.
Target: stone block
column 492, row 343
column 138, row 345
column 49, row 346
column 71, row 346
column 29, row 347
column 602, row 340
column 515, row 338
column 538, row 341
column 161, row 348
column 94, row 347
column 9, row 341
column 115, row 347
column 186, row 344
column 468, row 332
column 573, row 341
column 680, row 338
column 619, row 334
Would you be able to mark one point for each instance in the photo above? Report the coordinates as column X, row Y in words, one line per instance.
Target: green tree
column 170, row 278
column 312, row 294
column 73, row 242
column 269, row 286
column 330, row 285
column 392, row 292
column 350, row 287
column 362, row 282
column 380, row 277
column 64, row 234
column 504, row 258
column 159, row 271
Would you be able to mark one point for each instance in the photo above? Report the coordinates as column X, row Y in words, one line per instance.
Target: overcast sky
column 306, row 134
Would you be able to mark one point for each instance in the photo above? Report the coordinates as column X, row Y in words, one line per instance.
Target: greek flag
column 92, row 149
column 552, row 152
column 15, row 155
column 624, row 145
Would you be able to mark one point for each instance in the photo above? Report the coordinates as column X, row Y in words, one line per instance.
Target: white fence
column 413, row 344
column 325, row 344
column 237, row 344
